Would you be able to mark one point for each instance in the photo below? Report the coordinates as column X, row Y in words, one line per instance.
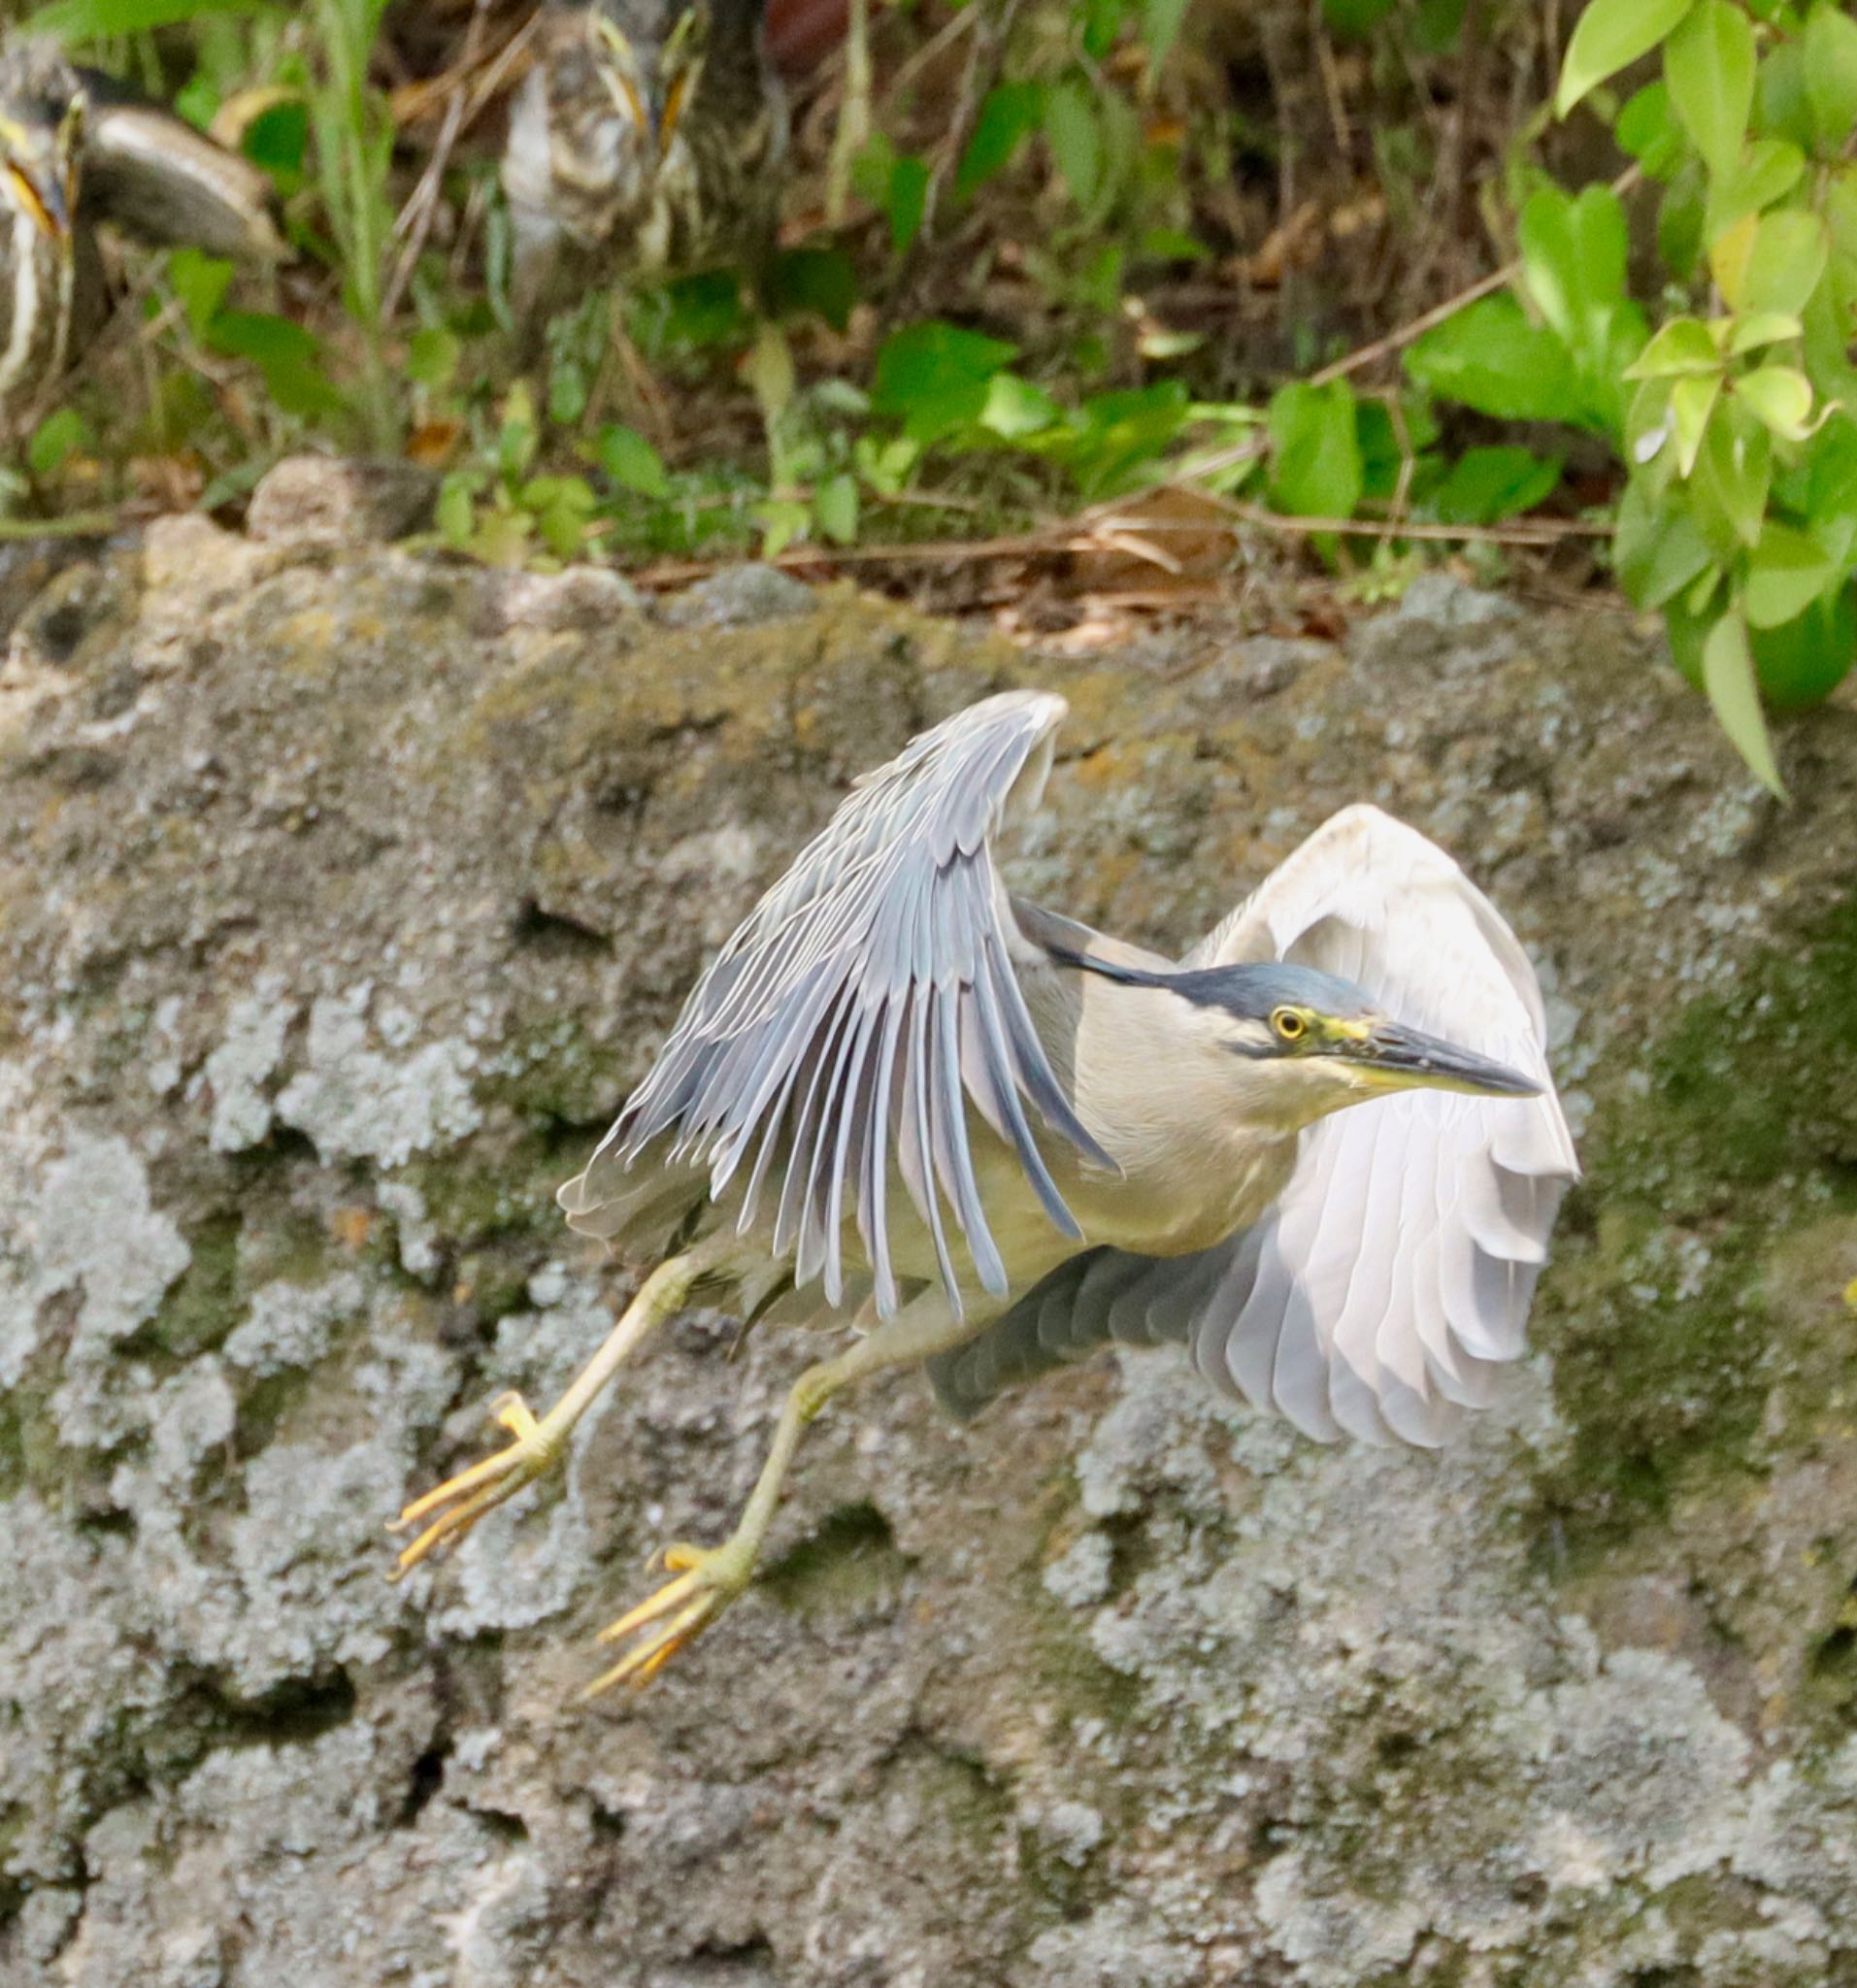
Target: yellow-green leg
column 456, row 1505
column 710, row 1578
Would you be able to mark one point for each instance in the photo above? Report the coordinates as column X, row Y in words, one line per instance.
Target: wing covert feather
column 866, row 1000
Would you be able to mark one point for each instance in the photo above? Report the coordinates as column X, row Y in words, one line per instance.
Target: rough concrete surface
column 343, row 894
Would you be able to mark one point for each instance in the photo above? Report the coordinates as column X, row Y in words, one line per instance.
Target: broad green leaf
column 1007, row 113
column 1657, row 551
column 200, row 283
column 1161, row 28
column 821, row 281
column 1117, row 440
column 1014, row 408
column 1488, row 484
column 834, row 504
column 1708, row 63
column 1779, row 398
column 1784, row 262
column 1683, row 345
column 906, row 200
column 934, row 377
column 1727, row 676
column 1574, row 254
column 1768, row 171
column 1831, row 75
column 1762, row 328
column 1783, row 109
column 1074, row 130
column 1315, row 459
column 1691, row 402
column 55, row 440
column 1734, row 473
column 1355, row 17
column 631, row 462
column 432, row 356
column 82, row 19
column 1646, row 130
column 782, row 519
column 1610, row 36
column 1786, row 571
column 1729, row 253
column 1490, row 356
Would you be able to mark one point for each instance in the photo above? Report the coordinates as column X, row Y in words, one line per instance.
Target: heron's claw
column 461, row 1501
column 707, row 1580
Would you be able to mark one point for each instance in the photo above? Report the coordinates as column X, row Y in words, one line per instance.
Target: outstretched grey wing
column 1397, row 1270
column 868, row 997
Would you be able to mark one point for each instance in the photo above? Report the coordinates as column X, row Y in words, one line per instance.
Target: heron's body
column 990, row 1138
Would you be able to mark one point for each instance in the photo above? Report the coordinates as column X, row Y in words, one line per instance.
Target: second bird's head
column 618, row 89
column 41, row 148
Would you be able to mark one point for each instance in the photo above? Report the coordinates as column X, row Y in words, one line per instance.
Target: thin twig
column 1416, row 327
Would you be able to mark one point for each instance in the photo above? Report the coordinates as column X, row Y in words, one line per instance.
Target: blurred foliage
column 1094, row 247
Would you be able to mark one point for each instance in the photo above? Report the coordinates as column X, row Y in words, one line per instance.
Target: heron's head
column 1311, row 1042
column 40, row 155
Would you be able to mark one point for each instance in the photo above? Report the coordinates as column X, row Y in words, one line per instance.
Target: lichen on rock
column 348, row 891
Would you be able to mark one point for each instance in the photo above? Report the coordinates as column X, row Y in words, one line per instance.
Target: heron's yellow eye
column 1290, row 1026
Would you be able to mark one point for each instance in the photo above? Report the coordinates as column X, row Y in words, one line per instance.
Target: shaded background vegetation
column 1212, row 265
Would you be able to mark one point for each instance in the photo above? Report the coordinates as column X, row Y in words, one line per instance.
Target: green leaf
column 1691, row 402
column 1646, row 131
column 1784, row 258
column 1015, row 408
column 285, row 354
column 821, row 281
column 1116, row 440
column 1490, row 356
column 834, row 504
column 1355, row 17
column 934, row 377
column 200, row 283
column 906, row 200
column 1315, row 459
column 432, row 356
column 1708, row 63
column 1610, row 36
column 1733, row 472
column 1488, row 484
column 55, row 440
column 1786, row 571
column 1768, row 171
column 1007, row 113
column 1762, row 328
column 1657, row 550
column 83, row 20
column 1783, row 109
column 1831, row 75
column 1727, row 676
column 1574, row 255
column 1161, row 29
column 1779, row 398
column 1073, row 129
column 782, row 519
column 1684, row 345
column 631, row 462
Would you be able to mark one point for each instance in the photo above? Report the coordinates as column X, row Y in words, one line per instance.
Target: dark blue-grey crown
column 1253, row 992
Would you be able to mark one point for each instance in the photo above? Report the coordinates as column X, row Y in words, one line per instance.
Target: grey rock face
column 345, row 894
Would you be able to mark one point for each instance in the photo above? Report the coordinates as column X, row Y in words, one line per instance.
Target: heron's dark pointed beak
column 1396, row 1058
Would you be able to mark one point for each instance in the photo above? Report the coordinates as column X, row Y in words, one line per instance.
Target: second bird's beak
column 47, row 202
column 1390, row 1056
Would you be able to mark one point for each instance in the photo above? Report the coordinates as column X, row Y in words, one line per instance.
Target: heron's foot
column 707, row 1580
column 456, row 1506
